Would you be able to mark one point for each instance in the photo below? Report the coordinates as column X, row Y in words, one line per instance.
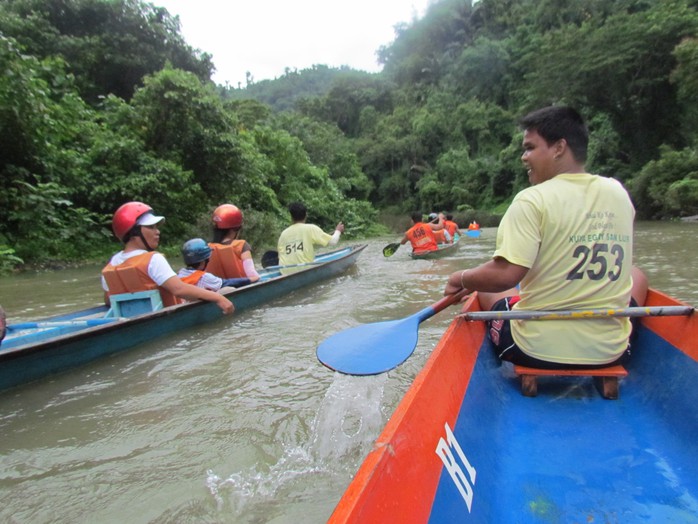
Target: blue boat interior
column 30, row 336
column 568, row 455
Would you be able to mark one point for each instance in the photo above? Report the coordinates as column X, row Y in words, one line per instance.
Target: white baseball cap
column 148, row 219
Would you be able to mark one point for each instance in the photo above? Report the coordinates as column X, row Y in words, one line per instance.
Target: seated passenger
column 451, row 226
column 440, row 233
column 553, row 242
column 138, row 267
column 231, row 256
column 196, row 254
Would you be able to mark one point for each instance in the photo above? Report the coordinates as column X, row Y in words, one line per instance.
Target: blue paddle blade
column 375, row 348
column 370, row 349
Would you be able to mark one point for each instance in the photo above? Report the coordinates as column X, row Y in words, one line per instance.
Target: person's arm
column 236, row 282
column 179, row 289
column 435, row 226
column 494, row 276
column 248, row 265
column 337, row 232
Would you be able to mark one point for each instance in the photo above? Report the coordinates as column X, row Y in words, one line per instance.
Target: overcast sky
column 266, row 36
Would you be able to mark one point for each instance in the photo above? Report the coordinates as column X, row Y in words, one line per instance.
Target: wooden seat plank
column 605, row 379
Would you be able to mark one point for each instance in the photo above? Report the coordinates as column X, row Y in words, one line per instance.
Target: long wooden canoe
column 59, row 343
column 441, row 251
column 465, row 445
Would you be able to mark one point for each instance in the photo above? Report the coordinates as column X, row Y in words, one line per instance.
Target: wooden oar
column 390, row 249
column 374, row 348
column 638, row 311
column 60, row 323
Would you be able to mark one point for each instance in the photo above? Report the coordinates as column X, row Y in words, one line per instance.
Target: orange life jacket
column 451, row 227
column 132, row 276
column 440, row 236
column 194, row 278
column 474, row 226
column 422, row 237
column 226, row 260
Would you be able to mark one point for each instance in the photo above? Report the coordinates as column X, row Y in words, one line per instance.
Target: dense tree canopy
column 102, row 101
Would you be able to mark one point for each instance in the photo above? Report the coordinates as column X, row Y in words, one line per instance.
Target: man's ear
column 560, row 147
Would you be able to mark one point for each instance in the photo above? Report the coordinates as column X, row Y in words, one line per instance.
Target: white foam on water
column 349, row 416
column 346, row 423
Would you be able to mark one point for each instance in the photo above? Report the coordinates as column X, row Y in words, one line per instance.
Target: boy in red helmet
column 231, row 256
column 138, row 267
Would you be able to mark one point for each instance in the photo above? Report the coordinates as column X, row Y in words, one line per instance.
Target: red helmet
column 125, row 217
column 227, row 216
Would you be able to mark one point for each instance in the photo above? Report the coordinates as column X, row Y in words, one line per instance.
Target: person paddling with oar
column 420, row 235
column 568, row 241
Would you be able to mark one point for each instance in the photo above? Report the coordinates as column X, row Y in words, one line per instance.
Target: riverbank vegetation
column 102, row 102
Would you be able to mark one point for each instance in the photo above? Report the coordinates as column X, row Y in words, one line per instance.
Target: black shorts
column 499, row 333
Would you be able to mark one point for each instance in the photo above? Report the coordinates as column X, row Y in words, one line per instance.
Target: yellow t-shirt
column 296, row 243
column 575, row 233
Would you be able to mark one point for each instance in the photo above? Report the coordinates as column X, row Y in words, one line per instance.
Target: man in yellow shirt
column 297, row 242
column 568, row 242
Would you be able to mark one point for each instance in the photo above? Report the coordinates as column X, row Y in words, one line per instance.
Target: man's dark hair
column 557, row 122
column 416, row 217
column 298, row 211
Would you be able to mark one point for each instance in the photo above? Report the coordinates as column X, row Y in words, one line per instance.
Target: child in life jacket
column 196, row 254
column 231, row 255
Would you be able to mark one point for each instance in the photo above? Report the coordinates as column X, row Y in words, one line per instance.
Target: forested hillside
column 103, row 102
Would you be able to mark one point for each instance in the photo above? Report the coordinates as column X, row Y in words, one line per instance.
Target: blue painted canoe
column 66, row 341
column 441, row 251
column 465, row 445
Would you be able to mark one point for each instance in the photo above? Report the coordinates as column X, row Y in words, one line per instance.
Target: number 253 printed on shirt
column 597, row 262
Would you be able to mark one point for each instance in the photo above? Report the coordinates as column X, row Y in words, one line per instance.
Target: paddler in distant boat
column 138, row 267
column 442, row 236
column 231, row 256
column 451, row 226
column 421, row 235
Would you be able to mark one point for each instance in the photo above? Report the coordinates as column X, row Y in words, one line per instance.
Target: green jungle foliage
column 102, row 102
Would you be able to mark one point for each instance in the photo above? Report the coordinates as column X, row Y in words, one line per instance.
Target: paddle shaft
column 60, row 323
column 442, row 304
column 269, row 269
column 638, row 311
